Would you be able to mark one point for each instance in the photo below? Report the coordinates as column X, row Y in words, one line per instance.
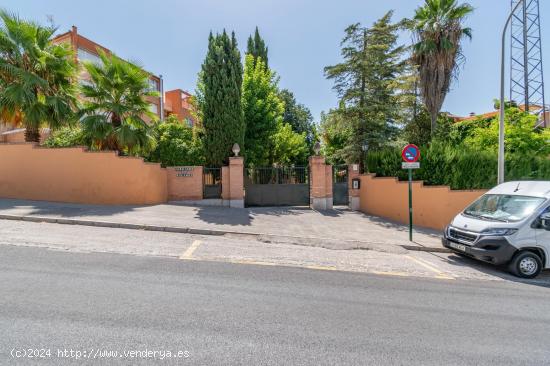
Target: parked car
column 508, row 225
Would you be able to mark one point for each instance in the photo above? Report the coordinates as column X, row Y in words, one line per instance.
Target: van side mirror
column 544, row 220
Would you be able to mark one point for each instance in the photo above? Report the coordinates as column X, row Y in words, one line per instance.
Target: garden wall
column 184, row 183
column 18, row 135
column 74, row 175
column 433, row 206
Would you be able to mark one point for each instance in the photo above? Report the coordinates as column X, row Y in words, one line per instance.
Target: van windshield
column 506, row 208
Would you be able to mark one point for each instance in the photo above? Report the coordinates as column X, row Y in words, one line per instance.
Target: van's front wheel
column 526, row 264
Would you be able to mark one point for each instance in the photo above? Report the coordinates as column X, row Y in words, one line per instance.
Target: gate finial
column 317, row 148
column 236, row 149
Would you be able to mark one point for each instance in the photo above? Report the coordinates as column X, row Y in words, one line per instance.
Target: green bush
column 65, row 137
column 459, row 167
column 176, row 145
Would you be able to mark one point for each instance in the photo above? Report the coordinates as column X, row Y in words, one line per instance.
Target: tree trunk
column 32, row 134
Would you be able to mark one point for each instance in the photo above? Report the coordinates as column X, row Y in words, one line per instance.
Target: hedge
column 458, row 167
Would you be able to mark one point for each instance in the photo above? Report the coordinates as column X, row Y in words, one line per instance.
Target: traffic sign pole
column 411, row 155
column 410, row 207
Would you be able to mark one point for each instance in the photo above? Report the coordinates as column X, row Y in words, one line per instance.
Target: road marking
column 188, row 254
column 431, row 267
column 440, row 276
column 386, row 273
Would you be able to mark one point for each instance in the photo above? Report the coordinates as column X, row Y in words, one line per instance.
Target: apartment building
column 178, row 102
column 88, row 50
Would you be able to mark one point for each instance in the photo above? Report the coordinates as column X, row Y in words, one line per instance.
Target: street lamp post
column 502, row 107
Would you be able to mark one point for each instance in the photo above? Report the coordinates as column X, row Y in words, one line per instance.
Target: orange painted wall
column 433, row 206
column 184, row 183
column 18, row 136
column 73, row 175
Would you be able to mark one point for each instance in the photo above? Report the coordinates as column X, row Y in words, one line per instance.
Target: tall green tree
column 367, row 83
column 439, row 30
column 36, row 76
column 219, row 98
column 262, row 109
column 335, row 132
column 298, row 116
column 115, row 106
column 289, row 147
column 257, row 48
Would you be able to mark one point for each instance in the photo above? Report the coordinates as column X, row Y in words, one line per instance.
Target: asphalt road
column 236, row 314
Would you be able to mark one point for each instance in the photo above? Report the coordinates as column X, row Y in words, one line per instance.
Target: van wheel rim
column 528, row 266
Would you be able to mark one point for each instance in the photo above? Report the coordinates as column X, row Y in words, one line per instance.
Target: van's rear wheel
column 526, row 264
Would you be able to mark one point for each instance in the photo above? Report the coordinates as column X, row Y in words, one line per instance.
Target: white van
column 509, row 225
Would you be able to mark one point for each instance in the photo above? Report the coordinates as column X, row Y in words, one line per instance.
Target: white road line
column 431, row 267
column 188, row 254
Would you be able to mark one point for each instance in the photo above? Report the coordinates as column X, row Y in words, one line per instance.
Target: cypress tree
column 219, row 92
column 257, row 48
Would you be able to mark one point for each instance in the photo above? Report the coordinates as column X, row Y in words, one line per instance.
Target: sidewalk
column 335, row 229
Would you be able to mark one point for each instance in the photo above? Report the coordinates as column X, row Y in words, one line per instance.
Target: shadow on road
column 543, row 280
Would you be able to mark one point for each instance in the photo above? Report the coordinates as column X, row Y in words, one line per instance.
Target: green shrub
column 65, row 137
column 176, row 145
column 459, row 167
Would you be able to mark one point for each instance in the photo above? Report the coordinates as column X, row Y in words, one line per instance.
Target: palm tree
column 36, row 77
column 115, row 106
column 438, row 31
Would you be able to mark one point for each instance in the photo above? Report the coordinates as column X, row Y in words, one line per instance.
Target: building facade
column 179, row 103
column 88, row 50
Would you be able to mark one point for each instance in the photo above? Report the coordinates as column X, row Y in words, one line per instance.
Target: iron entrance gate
column 277, row 186
column 340, row 185
column 212, row 183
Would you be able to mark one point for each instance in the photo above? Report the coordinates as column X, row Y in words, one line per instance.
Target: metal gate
column 277, row 186
column 340, row 194
column 212, row 183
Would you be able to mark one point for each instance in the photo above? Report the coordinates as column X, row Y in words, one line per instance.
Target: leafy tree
column 520, row 135
column 367, row 84
column 36, row 76
column 115, row 106
column 219, row 98
column 257, row 48
column 334, row 133
column 298, row 116
column 290, row 147
column 177, row 144
column 438, row 31
column 418, row 131
column 262, row 109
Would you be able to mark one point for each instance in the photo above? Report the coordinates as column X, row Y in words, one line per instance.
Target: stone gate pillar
column 353, row 173
column 320, row 194
column 236, row 182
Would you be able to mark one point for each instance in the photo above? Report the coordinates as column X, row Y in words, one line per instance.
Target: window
column 189, row 121
column 153, row 85
column 506, row 208
column 84, row 55
column 154, row 108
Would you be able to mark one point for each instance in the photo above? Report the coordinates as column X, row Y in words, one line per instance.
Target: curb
column 265, row 238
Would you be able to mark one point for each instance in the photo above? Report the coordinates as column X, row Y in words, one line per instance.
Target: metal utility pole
column 502, row 101
column 526, row 72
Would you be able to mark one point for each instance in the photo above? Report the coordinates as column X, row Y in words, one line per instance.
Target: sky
column 170, row 37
